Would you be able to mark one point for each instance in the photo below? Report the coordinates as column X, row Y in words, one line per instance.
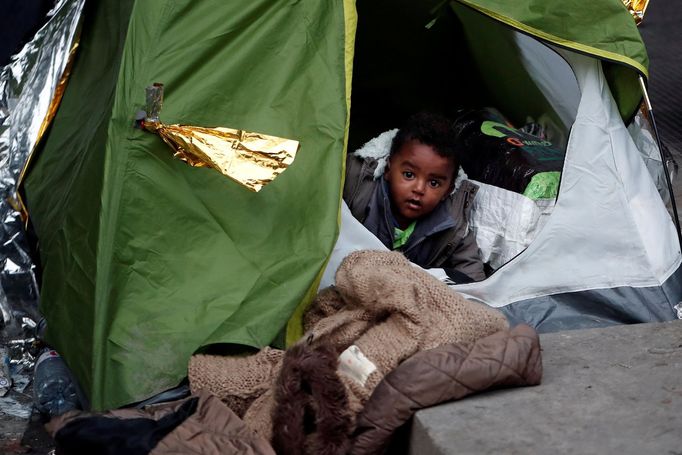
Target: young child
column 413, row 208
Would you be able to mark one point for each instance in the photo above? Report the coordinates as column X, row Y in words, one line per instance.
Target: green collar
column 401, row 237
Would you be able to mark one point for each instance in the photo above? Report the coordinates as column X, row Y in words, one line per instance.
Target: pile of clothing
column 386, row 337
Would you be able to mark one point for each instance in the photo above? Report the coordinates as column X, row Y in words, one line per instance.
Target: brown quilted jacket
column 212, row 429
column 449, row 372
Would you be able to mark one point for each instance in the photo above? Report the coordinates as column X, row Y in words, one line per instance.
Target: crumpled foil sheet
column 249, row 158
column 637, row 8
column 28, row 85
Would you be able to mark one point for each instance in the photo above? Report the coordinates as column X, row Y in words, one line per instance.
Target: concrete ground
column 611, row 390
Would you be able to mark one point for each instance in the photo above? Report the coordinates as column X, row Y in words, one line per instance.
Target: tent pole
column 660, row 151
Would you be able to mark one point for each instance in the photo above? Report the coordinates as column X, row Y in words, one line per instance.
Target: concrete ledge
column 611, row 390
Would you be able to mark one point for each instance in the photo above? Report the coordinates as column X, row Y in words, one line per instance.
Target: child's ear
column 388, row 166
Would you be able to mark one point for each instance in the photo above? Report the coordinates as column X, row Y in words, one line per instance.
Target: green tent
column 146, row 259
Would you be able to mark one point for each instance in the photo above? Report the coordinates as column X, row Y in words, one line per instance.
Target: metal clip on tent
column 154, row 98
column 666, row 171
column 153, row 104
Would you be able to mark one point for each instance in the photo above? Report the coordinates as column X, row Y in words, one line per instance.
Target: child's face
column 419, row 179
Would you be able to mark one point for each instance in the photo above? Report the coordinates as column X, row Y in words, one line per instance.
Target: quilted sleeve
column 449, row 372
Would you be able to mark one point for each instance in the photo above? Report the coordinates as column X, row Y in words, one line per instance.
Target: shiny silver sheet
column 27, row 88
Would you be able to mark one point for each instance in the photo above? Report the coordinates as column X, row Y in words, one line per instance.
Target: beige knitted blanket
column 381, row 311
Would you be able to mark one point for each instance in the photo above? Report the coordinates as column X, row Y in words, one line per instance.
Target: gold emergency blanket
column 637, row 8
column 252, row 159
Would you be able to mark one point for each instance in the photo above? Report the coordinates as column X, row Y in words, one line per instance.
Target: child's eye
column 408, row 174
column 434, row 183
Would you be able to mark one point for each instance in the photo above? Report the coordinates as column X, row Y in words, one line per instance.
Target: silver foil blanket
column 27, row 88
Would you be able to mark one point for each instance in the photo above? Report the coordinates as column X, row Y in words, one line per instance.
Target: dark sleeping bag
column 493, row 152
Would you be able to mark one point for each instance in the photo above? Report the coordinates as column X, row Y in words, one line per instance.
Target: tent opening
column 453, row 60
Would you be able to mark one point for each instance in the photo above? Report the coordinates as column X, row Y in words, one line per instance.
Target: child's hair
column 430, row 129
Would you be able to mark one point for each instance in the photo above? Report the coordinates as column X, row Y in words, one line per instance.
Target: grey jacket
column 440, row 240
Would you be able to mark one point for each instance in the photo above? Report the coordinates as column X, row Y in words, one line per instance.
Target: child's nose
column 420, row 186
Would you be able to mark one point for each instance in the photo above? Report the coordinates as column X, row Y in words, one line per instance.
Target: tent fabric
column 64, row 189
column 607, row 199
column 599, row 307
column 608, row 254
column 514, row 87
column 615, row 40
column 147, row 259
column 553, row 77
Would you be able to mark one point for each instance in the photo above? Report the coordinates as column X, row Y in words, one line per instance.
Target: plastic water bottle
column 54, row 388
